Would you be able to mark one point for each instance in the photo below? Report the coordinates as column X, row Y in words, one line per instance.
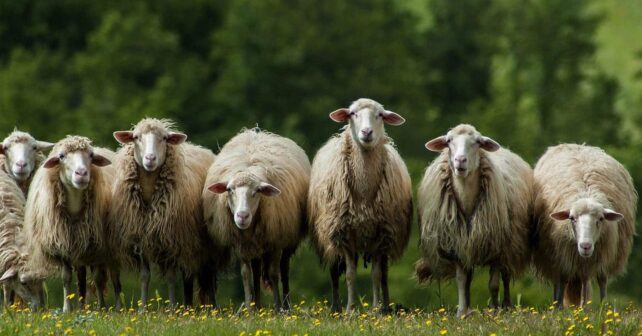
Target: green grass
column 315, row 319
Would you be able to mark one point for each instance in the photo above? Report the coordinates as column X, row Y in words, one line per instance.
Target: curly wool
column 564, row 174
column 169, row 230
column 499, row 223
column 359, row 201
column 251, row 157
column 57, row 237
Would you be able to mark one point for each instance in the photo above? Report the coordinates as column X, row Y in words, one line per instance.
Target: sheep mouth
column 21, row 174
column 366, row 140
column 586, row 254
column 460, row 171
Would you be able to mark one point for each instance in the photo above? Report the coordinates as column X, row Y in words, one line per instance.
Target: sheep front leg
column 493, row 287
column 246, row 274
column 273, row 274
column 170, row 277
column 188, row 289
column 256, row 282
column 351, row 277
column 66, row 287
column 384, row 285
column 144, row 284
column 335, row 273
column 285, row 277
column 376, row 281
column 558, row 292
column 464, row 278
column 81, row 276
column 506, row 302
column 114, row 275
column 602, row 280
column 100, row 279
column 8, row 295
column 587, row 292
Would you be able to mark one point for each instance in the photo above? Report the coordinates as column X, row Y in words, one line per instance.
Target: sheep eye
column 572, row 218
column 135, row 137
column 91, row 155
column 61, row 156
column 35, row 147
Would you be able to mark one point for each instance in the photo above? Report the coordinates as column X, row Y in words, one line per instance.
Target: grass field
column 315, row 319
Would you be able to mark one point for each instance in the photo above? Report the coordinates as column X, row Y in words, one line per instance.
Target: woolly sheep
column 158, row 214
column 474, row 208
column 360, row 199
column 585, row 208
column 66, row 212
column 254, row 203
column 20, row 154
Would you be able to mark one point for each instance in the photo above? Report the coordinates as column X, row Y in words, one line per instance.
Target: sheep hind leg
column 66, row 287
column 256, row 282
column 188, row 290
column 8, row 299
column 81, row 276
column 376, row 282
column 506, row 302
column 114, row 275
column 351, row 277
column 170, row 277
column 602, row 281
column 385, row 309
column 100, row 279
column 493, row 287
column 335, row 273
column 273, row 275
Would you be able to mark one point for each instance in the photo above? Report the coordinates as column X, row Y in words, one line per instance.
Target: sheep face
column 463, row 143
column 366, row 119
column 75, row 166
column 25, row 287
column 150, row 144
column 589, row 219
column 20, row 150
column 243, row 196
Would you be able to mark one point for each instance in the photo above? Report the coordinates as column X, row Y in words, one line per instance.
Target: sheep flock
column 159, row 203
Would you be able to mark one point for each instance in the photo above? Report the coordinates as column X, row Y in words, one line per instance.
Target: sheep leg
column 170, row 277
column 66, row 287
column 285, row 277
column 256, row 282
column 246, row 274
column 144, row 284
column 376, row 281
column 351, row 275
column 464, row 278
column 188, row 289
column 273, row 275
column 587, row 292
column 558, row 292
column 493, row 287
column 506, row 303
column 100, row 279
column 601, row 281
column 335, row 273
column 8, row 299
column 207, row 283
column 81, row 276
column 114, row 275
column 384, row 285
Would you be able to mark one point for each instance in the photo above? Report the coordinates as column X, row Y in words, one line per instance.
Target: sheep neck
column 148, row 183
column 466, row 190
column 73, row 200
column 365, row 167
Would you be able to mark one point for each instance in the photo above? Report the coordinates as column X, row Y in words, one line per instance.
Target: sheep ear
column 392, row 118
column 175, row 138
column 100, row 161
column 268, row 189
column 611, row 215
column 488, row 144
column 561, row 215
column 44, row 145
column 51, row 162
column 340, row 115
column 218, row 188
column 124, row 137
column 437, row 144
column 8, row 274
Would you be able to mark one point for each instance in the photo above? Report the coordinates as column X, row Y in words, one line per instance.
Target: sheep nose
column 21, row 164
column 586, row 246
column 366, row 131
column 81, row 172
column 242, row 215
column 150, row 157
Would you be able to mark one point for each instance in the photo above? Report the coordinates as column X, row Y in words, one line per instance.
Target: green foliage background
column 529, row 74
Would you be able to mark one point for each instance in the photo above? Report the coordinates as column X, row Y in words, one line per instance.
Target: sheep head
column 151, row 138
column 589, row 219
column 20, row 150
column 243, row 196
column 463, row 143
column 366, row 118
column 74, row 156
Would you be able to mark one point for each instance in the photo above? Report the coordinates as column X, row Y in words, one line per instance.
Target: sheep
column 360, row 199
column 66, row 212
column 158, row 214
column 585, row 205
column 474, row 208
column 20, row 154
column 263, row 179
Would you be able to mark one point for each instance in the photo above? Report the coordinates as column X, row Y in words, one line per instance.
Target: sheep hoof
column 464, row 313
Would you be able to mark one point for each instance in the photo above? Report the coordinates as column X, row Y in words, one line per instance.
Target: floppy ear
column 51, row 162
column 100, row 161
column 124, row 137
column 392, row 118
column 44, row 145
column 340, row 115
column 488, row 144
column 218, row 188
column 437, row 144
column 268, row 189
column 8, row 274
column 175, row 138
column 561, row 215
column 611, row 215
